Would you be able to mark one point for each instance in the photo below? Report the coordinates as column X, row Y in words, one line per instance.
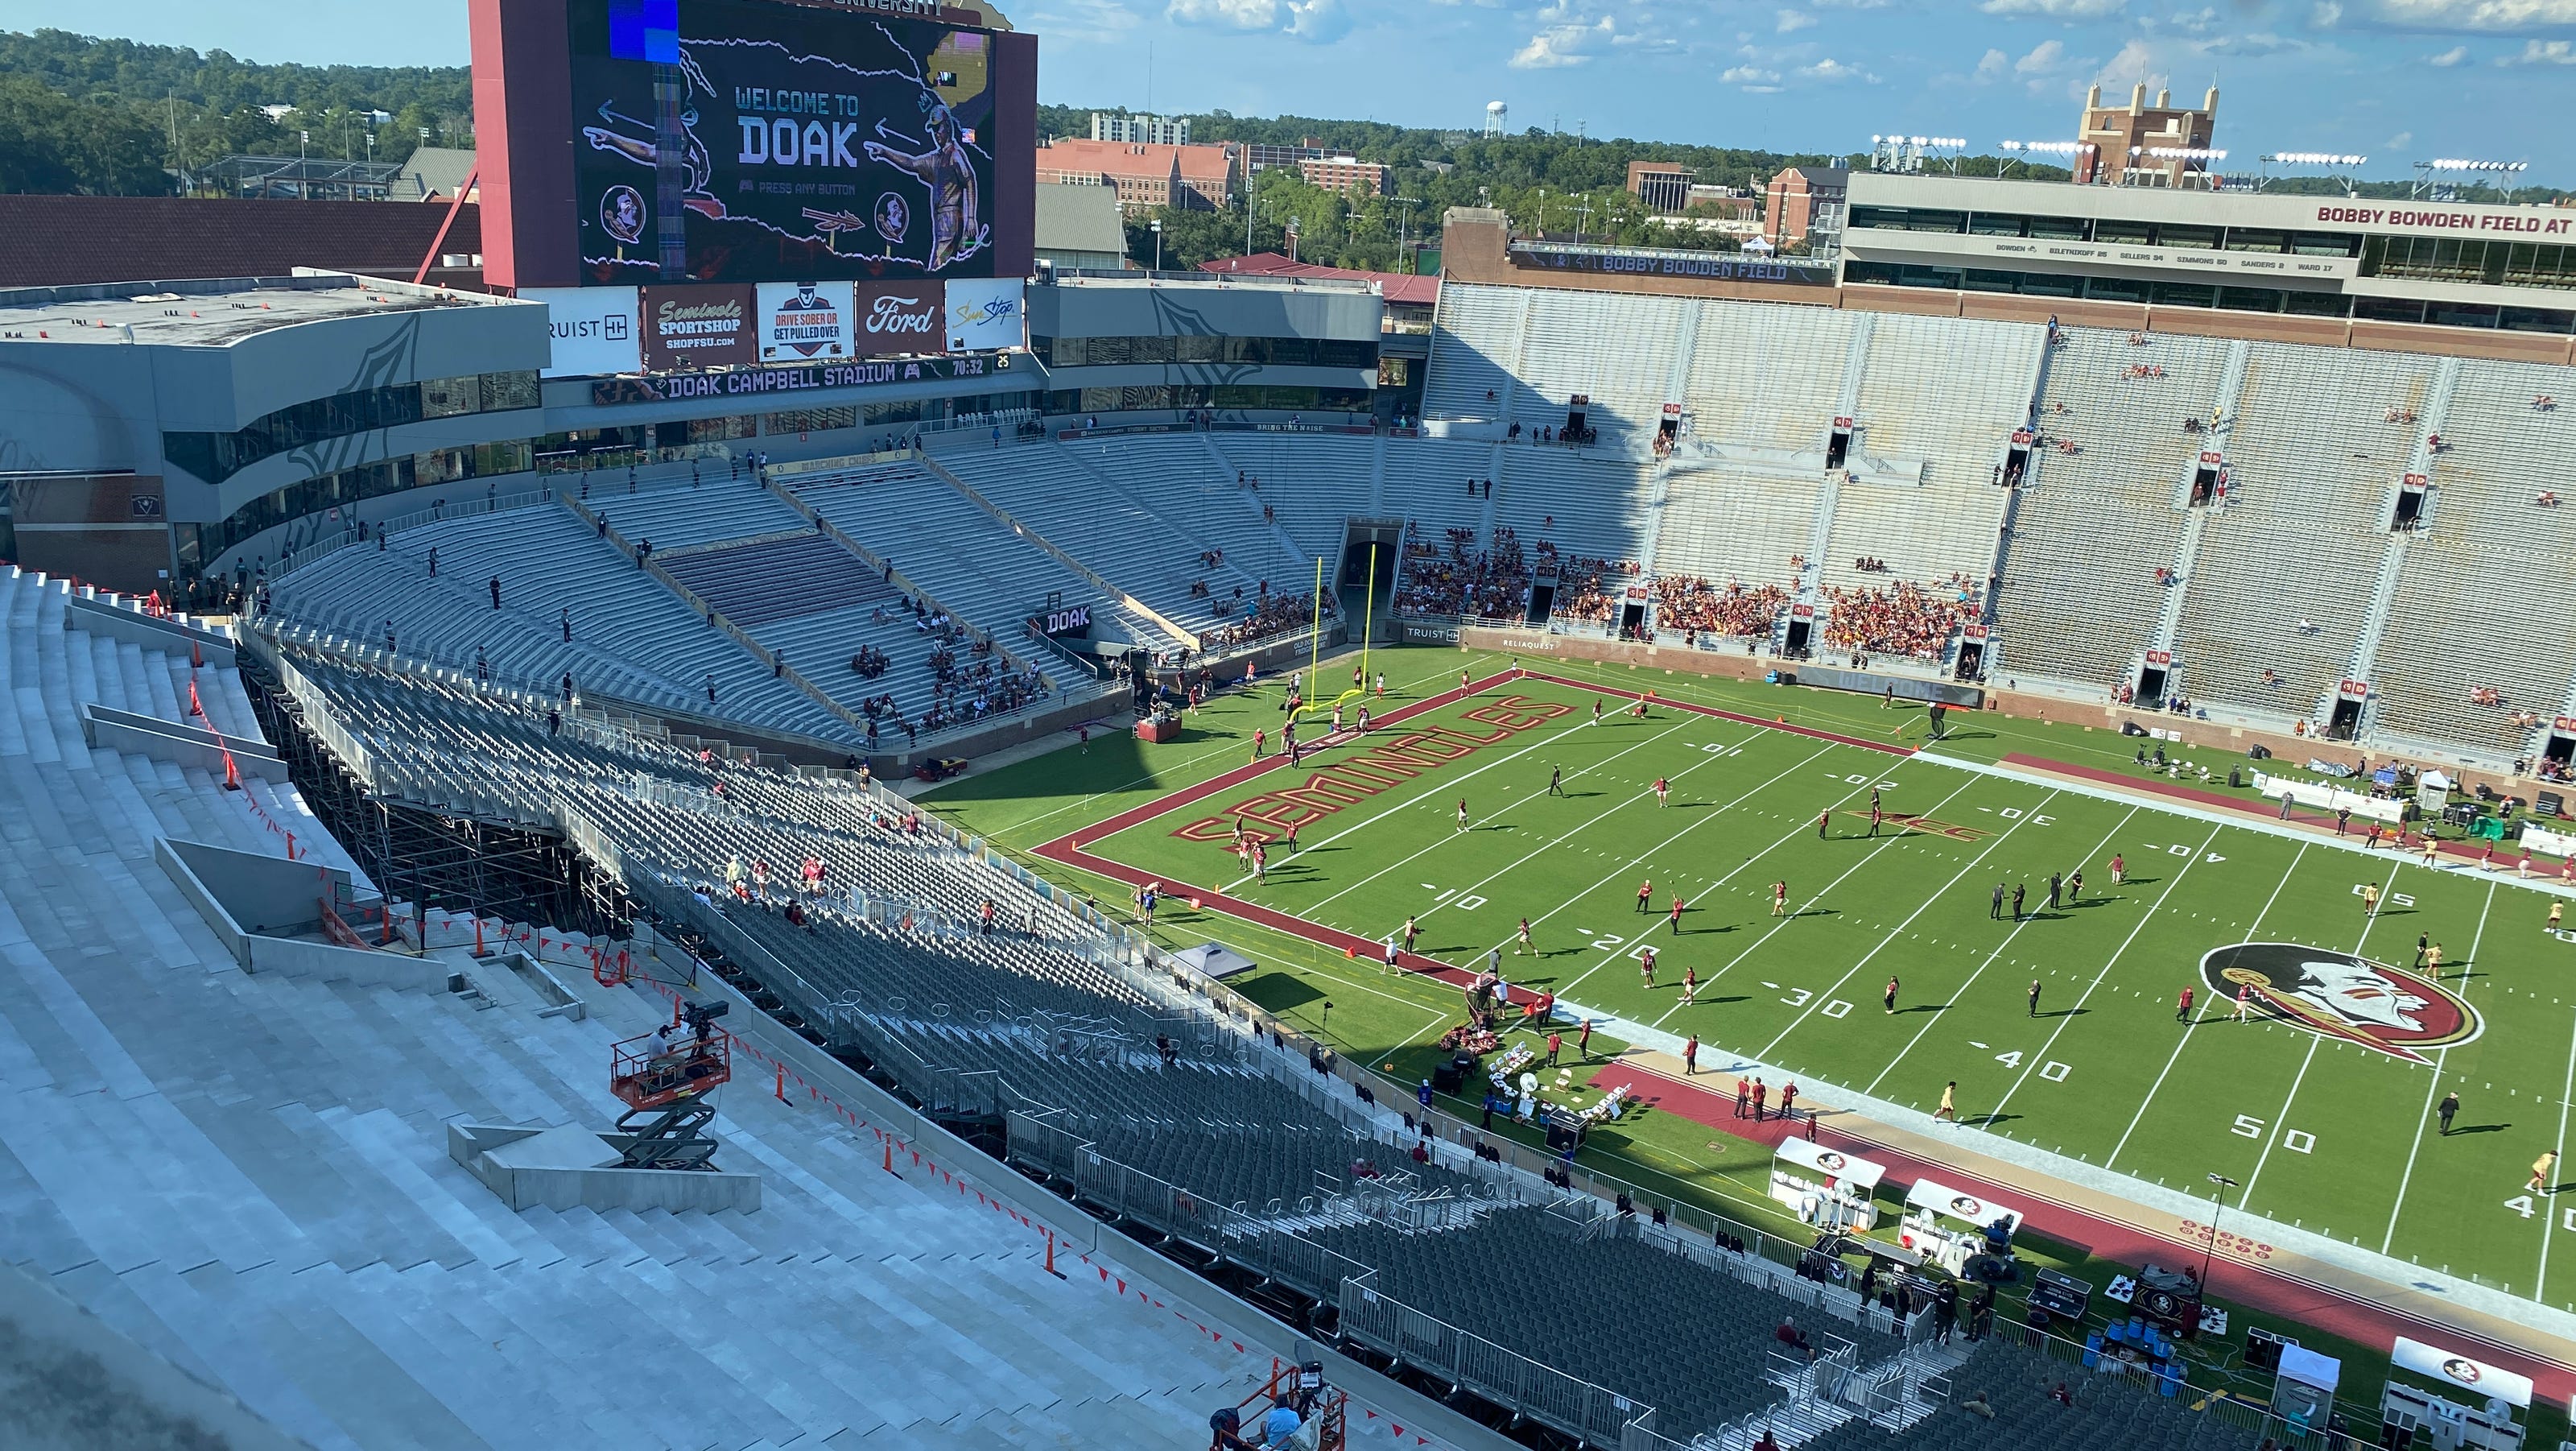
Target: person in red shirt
column 2182, row 1009
column 1645, row 890
column 1555, row 1041
column 1677, row 916
column 1583, row 1040
column 1789, row 1101
column 1690, row 1056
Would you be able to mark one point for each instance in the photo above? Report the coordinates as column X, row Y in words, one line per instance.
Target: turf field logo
column 2339, row 995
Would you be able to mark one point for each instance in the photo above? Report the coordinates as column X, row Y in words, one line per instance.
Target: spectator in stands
column 1796, row 1339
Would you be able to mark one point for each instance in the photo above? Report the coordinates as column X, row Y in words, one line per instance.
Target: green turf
column 2323, row 1134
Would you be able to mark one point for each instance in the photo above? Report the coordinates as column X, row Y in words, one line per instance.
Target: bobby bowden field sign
column 2338, row 995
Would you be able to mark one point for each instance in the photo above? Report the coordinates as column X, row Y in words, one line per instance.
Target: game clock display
column 750, row 141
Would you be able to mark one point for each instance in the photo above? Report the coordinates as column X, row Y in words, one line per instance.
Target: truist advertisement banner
column 986, row 315
column 745, row 141
column 689, row 328
column 897, row 318
column 594, row 330
column 804, row 321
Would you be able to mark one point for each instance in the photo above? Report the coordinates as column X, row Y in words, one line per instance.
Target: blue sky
column 2397, row 80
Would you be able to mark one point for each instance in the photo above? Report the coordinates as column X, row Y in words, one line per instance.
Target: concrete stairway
column 247, row 1176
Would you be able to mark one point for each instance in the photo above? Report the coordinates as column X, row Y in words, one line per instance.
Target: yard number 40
column 2521, row 1204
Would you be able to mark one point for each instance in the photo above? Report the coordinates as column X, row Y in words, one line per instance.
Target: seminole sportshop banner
column 746, row 141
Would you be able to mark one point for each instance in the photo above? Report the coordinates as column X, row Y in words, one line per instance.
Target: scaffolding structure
column 425, row 855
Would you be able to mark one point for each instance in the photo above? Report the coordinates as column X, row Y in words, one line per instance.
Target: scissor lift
column 664, row 1081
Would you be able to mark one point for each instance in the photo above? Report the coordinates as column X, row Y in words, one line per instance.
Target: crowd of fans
column 870, row 662
column 1463, row 581
column 1699, row 608
column 1901, row 619
column 1580, row 594
column 1271, row 614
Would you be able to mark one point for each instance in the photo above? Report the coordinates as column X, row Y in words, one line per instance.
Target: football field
column 1889, row 970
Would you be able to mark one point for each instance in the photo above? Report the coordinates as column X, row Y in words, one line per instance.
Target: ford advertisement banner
column 897, row 318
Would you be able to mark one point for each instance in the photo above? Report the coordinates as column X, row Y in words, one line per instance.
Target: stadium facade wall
column 1476, row 249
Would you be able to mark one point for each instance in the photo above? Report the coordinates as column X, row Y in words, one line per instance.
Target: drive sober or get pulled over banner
column 751, row 141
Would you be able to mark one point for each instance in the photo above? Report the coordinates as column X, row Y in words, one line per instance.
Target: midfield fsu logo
column 2334, row 994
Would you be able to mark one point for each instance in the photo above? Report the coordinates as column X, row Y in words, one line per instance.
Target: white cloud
column 1320, row 21
column 2062, row 9
column 1314, row 20
column 1830, row 69
column 1992, row 65
column 1795, row 20
column 1084, row 20
column 2136, row 61
column 2043, row 58
column 2258, row 43
column 2508, row 16
column 1563, row 45
column 1231, row 14
column 2398, row 142
column 1749, row 75
column 2456, row 55
column 2542, row 52
column 2326, row 15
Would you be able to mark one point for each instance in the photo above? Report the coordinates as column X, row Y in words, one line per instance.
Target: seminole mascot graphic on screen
column 741, row 141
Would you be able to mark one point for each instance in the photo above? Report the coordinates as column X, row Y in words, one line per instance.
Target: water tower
column 1496, row 114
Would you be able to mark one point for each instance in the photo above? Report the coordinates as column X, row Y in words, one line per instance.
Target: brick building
column 1806, row 204
column 2126, row 140
column 1145, row 176
column 1662, row 186
column 1344, row 174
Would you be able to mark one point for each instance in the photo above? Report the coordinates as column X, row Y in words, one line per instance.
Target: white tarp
column 2475, row 1377
column 2309, row 1368
column 1956, row 1204
column 2330, row 798
column 1213, row 960
column 2542, row 841
column 1859, row 1175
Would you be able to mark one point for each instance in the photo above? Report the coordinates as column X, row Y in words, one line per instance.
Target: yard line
column 1631, row 864
column 2194, row 1025
column 2314, row 1043
column 2441, row 1056
column 2548, row 1226
column 1706, row 758
column 1934, row 1019
column 1854, row 970
column 1188, row 764
column 2108, row 963
column 1614, row 954
column 1557, row 738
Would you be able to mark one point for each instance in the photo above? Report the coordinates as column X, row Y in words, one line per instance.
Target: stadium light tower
column 1906, row 153
column 2336, row 165
column 2019, row 153
column 2219, row 1184
column 1157, row 225
column 2432, row 185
